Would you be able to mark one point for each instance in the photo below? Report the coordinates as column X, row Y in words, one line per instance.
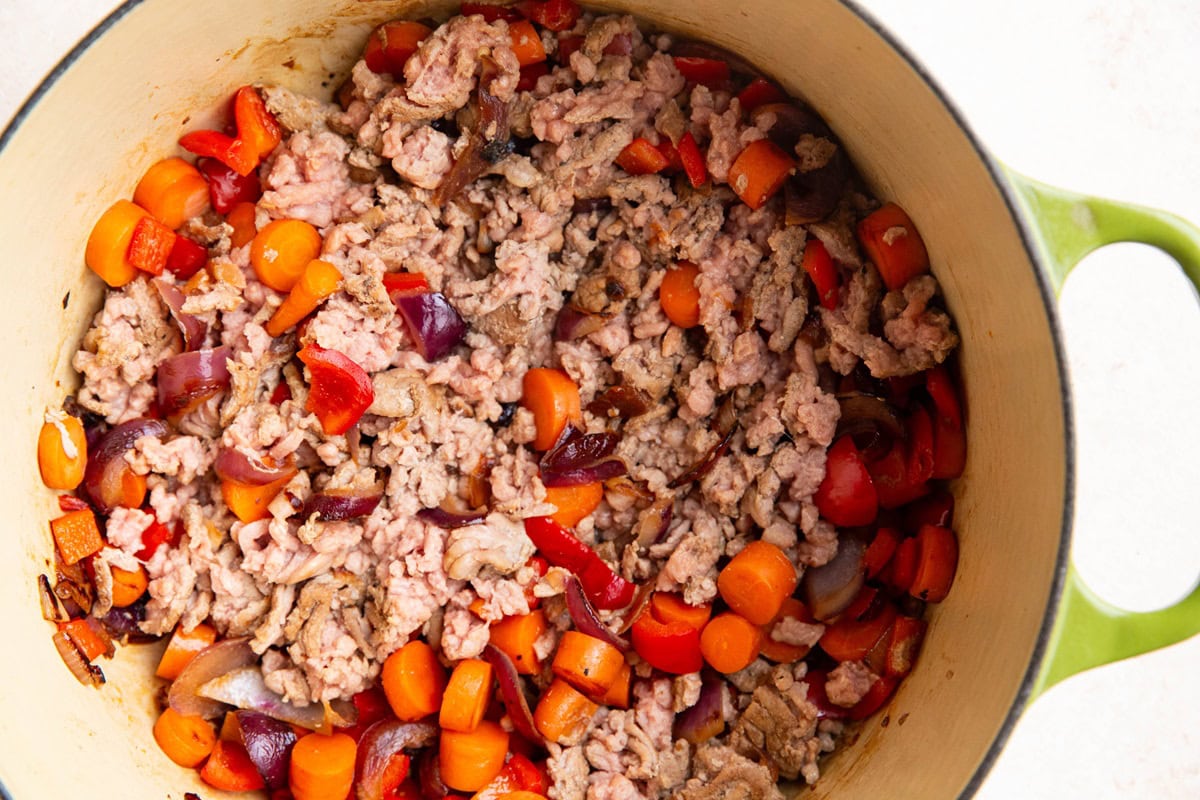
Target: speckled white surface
column 1099, row 96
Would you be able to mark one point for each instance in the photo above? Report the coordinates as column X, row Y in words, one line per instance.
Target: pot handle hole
column 1088, row 631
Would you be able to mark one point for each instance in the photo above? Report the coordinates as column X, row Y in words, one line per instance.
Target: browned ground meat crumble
column 554, row 222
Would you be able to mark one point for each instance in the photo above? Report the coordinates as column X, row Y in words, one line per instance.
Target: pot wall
column 124, row 102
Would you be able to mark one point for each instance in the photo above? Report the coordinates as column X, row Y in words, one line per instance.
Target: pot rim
column 1029, row 241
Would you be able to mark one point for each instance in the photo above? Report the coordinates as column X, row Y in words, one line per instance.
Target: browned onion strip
column 655, row 521
column 575, row 323
column 446, row 518
column 51, row 610
column 193, row 329
column 86, row 673
column 625, row 402
column 104, row 476
column 640, row 601
column 211, row 662
column 379, row 744
column 332, row 505
column 725, row 426
column 188, row 379
column 240, row 466
column 584, row 615
column 706, row 718
column 489, row 143
column 829, row 588
column 512, row 694
column 870, row 419
column 580, row 458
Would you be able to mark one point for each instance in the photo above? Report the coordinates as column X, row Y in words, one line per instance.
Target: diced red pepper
column 151, row 245
column 673, row 647
column 934, row 509
column 405, row 283
column 692, row 160
column 669, row 151
column 256, row 126
column 566, row 46
column 819, row 266
column 851, row 639
column 936, row 563
column 904, row 642
column 949, row 438
column 876, row 696
column 902, row 474
column 894, row 245
column 391, row 44
column 155, row 535
column 339, row 389
column 846, row 496
column 641, row 158
column 881, row 550
column 372, row 706
column 530, row 75
column 603, row 587
column 236, row 154
column 187, row 257
column 759, row 172
column 226, row 188
column 899, row 574
column 490, row 11
column 707, row 71
column 759, row 92
column 553, row 15
column 280, row 393
column 862, row 605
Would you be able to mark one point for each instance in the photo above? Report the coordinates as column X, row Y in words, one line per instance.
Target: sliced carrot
column 639, row 157
column 937, row 561
column 759, row 172
column 757, row 581
column 517, row 635
column 242, row 219
column 281, row 250
column 231, row 729
column 668, row 607
column 183, row 647
column 319, row 280
column 466, row 697
column 894, row 245
column 76, row 535
column 128, row 585
column 679, row 296
column 574, row 503
column 88, row 638
column 851, row 640
column 563, row 712
column 249, row 502
column 881, row 550
column 322, row 767
column 107, row 250
column 554, row 400
column 617, row 695
column 526, row 43
column 186, row 740
column 151, row 245
column 819, row 265
column 782, row 652
column 730, row 642
column 902, row 570
column 469, row 761
column 173, row 191
column 587, row 663
column 230, row 769
column 61, row 451
column 413, row 681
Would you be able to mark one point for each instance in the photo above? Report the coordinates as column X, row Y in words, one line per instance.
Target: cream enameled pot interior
column 165, row 67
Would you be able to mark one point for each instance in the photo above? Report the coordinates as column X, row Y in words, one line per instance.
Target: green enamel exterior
column 1089, row 632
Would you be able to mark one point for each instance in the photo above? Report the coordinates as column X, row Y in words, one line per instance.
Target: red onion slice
column 212, row 662
column 244, row 688
column 625, row 402
column 706, row 718
column 51, row 610
column 725, row 425
column 269, row 744
column 193, row 329
column 106, row 471
column 429, row 774
column 332, row 505
column 445, row 518
column 831, row 587
column 188, row 379
column 434, row 325
column 85, row 672
column 240, row 466
column 512, row 694
column 379, row 744
column 575, row 323
column 584, row 615
column 580, row 458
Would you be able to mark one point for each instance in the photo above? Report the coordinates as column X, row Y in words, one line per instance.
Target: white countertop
column 1099, row 96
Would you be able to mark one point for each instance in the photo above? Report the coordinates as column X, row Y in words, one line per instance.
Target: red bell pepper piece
column 280, row 393
column 933, row 509
column 851, row 639
column 372, row 706
column 390, row 45
column 902, row 474
column 530, row 75
column 936, row 563
column 605, row 588
column 894, row 245
column 949, row 438
column 151, row 245
column 236, row 154
column 154, row 536
column 759, row 92
column 256, row 126
column 899, row 573
column 876, row 696
column 490, row 11
column 641, row 158
column 819, row 266
column 862, row 605
column 553, row 15
column 227, row 188
column 405, row 282
column 339, row 390
column 566, row 46
column 904, row 642
column 846, row 496
column 707, row 71
column 881, row 550
column 692, row 160
column 186, row 258
column 672, row 647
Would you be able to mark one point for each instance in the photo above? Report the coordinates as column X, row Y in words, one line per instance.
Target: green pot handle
column 1088, row 631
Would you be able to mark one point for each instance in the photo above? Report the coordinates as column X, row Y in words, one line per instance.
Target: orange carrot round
column 107, row 250
column 729, row 642
column 587, row 663
column 466, row 697
column 759, row 172
column 242, row 219
column 617, row 695
column 128, row 585
column 516, row 637
column 61, row 451
column 230, row 769
column 281, row 251
column 250, row 502
column 173, row 191
column 757, row 581
column 319, row 280
column 554, row 400
column 469, row 761
column 182, row 648
column 413, row 681
column 679, row 296
column 322, row 767
column 574, row 503
column 782, row 652
column 526, row 43
column 186, row 740
column 668, row 607
column 563, row 712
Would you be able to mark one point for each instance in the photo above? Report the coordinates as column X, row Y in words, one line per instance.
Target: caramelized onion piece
column 706, row 718
column 107, row 470
column 584, row 615
column 193, row 328
column 235, row 464
column 244, row 687
column 791, row 122
column 338, row 504
column 269, row 744
column 210, row 663
column 188, row 379
column 574, row 322
column 653, row 523
column 580, row 458
column 725, row 426
column 449, row 519
column 512, row 693
column 829, row 588
column 435, row 327
column 51, row 610
column 625, row 402
column 379, row 744
column 85, row 672
column 490, row 141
